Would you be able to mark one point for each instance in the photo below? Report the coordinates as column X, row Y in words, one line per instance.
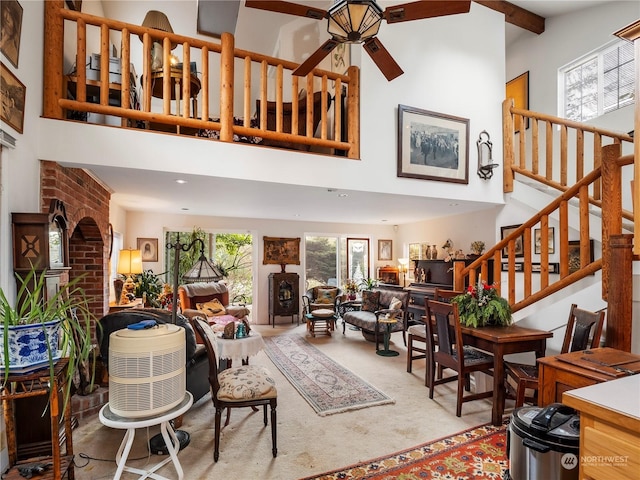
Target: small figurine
column 229, row 331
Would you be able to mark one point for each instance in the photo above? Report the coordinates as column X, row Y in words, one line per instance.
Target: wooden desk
column 558, row 374
column 609, row 428
column 501, row 341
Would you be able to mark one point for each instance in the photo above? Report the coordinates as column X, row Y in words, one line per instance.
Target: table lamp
column 404, row 267
column 129, row 263
column 159, row 21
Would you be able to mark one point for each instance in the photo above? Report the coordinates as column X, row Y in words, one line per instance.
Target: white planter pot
column 29, row 346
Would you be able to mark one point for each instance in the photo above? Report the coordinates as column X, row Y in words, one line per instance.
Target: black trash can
column 543, row 443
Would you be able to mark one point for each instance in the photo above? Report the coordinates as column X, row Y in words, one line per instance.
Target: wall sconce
column 404, row 268
column 485, row 159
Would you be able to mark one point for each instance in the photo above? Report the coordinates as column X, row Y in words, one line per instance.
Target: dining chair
column 584, row 329
column 235, row 387
column 446, row 327
column 418, row 333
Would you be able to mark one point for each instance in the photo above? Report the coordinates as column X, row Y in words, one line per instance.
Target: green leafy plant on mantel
column 482, row 306
column 69, row 306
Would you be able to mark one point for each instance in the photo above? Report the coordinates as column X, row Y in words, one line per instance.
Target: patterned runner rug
column 474, row 454
column 328, row 387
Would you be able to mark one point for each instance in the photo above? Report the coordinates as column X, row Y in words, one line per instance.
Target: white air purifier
column 147, row 370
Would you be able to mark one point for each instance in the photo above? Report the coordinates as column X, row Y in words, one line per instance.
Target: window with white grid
column 598, row 83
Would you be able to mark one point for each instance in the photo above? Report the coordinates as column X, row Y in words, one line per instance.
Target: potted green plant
column 368, row 284
column 148, row 287
column 481, row 305
column 61, row 325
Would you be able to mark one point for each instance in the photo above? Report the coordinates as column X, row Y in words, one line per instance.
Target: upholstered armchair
column 204, row 294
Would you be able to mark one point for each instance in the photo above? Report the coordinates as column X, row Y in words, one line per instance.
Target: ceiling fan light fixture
column 354, row 20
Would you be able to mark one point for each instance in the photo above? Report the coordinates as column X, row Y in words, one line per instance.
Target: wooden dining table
column 501, row 341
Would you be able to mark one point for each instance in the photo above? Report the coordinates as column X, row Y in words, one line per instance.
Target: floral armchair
column 321, row 297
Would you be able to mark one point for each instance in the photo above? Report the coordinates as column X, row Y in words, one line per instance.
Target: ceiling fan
column 358, row 21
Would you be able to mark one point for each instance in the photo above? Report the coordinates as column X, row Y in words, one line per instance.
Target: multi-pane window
column 598, row 83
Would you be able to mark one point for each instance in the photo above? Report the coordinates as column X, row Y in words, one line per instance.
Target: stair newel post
column 620, row 292
column 508, row 154
column 458, row 278
column 612, row 204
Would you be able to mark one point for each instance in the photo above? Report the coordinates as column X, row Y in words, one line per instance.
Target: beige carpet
column 307, row 443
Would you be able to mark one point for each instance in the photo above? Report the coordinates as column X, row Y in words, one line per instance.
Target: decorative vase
column 29, row 346
column 434, row 252
column 428, row 254
column 351, row 296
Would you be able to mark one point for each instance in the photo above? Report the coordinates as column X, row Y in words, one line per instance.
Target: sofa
column 197, row 361
column 194, row 294
column 365, row 315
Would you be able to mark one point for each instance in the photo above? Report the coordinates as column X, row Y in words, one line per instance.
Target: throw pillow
column 326, row 295
column 370, row 301
column 396, row 304
column 212, row 308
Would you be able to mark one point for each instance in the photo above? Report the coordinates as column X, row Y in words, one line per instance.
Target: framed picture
column 504, row 266
column 414, row 251
column 281, row 251
column 385, row 250
column 518, row 89
column 149, row 249
column 553, row 268
column 538, row 246
column 574, row 254
column 11, row 12
column 432, row 146
column 358, row 258
column 504, row 233
column 13, row 99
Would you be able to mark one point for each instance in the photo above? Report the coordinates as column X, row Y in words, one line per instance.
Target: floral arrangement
column 481, row 305
column 166, row 297
column 477, row 247
column 350, row 286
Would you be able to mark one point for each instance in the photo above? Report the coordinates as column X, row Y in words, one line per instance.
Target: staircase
column 578, row 177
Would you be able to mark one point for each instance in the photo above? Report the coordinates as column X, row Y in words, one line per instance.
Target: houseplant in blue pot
column 38, row 330
column 481, row 305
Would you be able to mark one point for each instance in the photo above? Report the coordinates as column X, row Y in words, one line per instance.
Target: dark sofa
column 197, row 362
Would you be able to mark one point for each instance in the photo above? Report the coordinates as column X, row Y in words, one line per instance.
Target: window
column 598, row 83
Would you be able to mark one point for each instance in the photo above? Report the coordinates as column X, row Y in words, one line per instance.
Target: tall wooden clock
column 41, row 240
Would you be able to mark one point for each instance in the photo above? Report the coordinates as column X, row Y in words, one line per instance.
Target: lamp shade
column 354, row 20
column 130, row 261
column 404, row 263
column 202, row 271
column 158, row 21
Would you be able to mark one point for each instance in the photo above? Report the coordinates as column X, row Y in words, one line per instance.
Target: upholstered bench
column 376, row 304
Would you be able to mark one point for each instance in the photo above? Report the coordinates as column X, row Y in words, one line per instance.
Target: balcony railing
column 326, row 118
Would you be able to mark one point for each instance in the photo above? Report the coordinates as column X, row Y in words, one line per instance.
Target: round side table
column 110, row 419
column 387, row 335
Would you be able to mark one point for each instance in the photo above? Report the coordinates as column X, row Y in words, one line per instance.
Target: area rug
column 474, row 454
column 327, row 386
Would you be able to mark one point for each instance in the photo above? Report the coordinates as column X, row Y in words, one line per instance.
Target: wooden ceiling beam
column 516, row 15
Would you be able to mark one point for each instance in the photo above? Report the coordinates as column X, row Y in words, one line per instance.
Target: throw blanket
column 200, row 289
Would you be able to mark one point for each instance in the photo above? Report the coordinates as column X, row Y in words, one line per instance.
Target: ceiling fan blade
column 423, row 9
column 382, row 58
column 287, row 7
column 316, row 57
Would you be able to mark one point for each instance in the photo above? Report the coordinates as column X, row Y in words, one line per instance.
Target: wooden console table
column 609, row 428
column 35, row 384
column 568, row 371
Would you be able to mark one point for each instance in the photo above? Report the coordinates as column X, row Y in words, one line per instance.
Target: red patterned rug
column 477, row 453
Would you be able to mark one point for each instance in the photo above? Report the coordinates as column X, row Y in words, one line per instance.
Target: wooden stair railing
column 224, row 57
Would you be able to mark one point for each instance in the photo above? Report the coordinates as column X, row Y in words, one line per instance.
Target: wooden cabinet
column 36, row 385
column 609, row 428
column 284, row 295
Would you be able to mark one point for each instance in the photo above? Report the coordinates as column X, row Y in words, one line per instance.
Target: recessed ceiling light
column 454, row 204
column 184, row 208
column 180, row 181
column 331, row 190
column 384, row 220
column 342, row 195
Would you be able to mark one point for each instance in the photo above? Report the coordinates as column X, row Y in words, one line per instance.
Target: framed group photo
column 432, row 146
column 149, row 249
